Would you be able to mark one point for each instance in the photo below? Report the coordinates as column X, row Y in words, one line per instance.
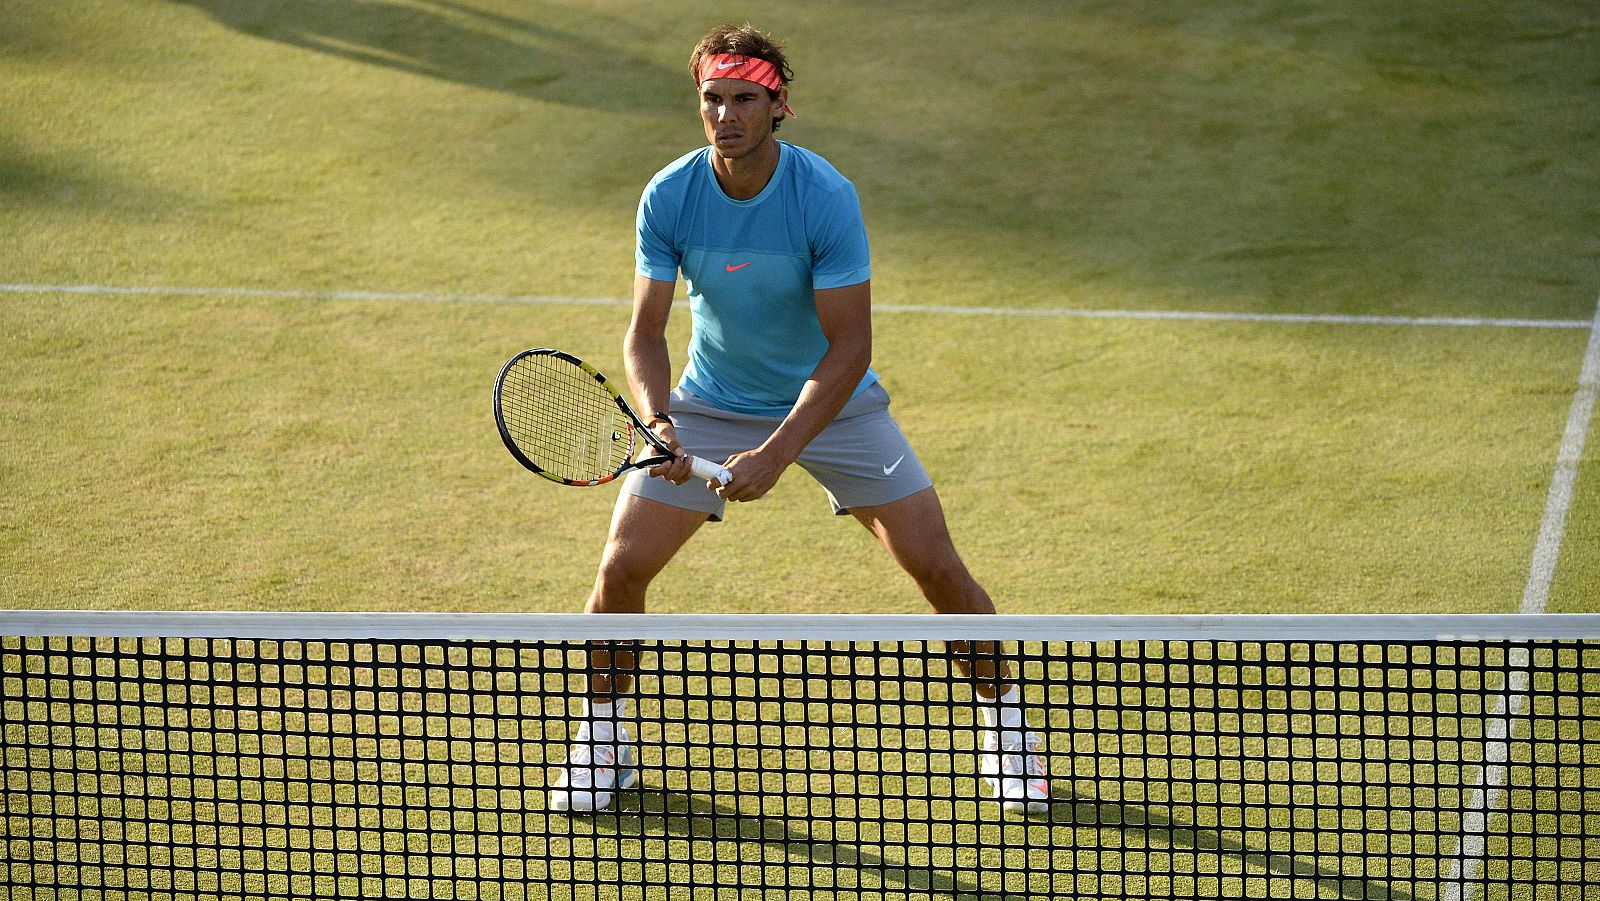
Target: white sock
column 1005, row 714
column 606, row 718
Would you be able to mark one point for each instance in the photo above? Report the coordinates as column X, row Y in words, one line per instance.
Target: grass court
column 248, row 430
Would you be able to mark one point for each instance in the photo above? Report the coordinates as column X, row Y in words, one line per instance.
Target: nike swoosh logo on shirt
column 889, row 470
column 732, row 268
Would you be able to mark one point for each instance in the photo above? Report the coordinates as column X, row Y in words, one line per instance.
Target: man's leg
column 645, row 534
column 914, row 531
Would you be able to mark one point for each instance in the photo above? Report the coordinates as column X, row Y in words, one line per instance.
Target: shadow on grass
column 1156, row 826
column 24, row 176
column 73, row 179
column 696, row 817
column 448, row 40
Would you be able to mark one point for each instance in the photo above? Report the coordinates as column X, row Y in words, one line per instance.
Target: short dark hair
column 743, row 40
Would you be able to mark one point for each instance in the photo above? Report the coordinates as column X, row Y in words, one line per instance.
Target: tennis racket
column 561, row 418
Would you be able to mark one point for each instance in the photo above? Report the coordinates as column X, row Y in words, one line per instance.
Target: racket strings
column 563, row 420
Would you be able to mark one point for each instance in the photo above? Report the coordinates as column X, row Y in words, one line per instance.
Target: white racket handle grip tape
column 713, row 472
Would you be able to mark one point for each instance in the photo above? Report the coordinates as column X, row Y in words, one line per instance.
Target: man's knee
column 645, row 535
column 940, row 571
column 946, row 582
column 621, row 580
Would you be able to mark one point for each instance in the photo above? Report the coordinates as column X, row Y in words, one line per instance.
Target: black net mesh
column 256, row 769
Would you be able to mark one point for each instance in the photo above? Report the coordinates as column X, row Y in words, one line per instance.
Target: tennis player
column 771, row 244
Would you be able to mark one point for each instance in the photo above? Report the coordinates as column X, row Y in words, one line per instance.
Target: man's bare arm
column 649, row 365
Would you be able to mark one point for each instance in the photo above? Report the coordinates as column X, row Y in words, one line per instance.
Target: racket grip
column 709, row 471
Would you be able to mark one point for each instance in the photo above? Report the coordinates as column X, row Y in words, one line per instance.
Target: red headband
column 744, row 68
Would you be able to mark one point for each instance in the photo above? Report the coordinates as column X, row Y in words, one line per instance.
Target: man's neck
column 746, row 176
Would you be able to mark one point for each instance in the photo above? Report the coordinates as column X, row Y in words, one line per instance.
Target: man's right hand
column 677, row 472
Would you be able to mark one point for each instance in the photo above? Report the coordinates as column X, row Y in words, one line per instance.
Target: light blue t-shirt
column 751, row 267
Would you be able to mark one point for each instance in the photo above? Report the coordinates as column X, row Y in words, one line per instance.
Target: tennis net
column 293, row 756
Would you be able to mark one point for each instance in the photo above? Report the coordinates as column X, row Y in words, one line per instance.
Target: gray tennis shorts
column 862, row 458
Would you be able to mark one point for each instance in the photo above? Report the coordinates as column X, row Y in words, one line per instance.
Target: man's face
column 737, row 115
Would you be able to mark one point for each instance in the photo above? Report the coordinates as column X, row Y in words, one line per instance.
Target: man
column 771, row 244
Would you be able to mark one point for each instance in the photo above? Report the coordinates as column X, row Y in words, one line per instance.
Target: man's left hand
column 754, row 473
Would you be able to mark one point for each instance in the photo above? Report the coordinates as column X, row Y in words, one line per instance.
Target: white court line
column 1489, row 791
column 1200, row 316
column 1012, row 312
column 1564, row 482
column 296, row 294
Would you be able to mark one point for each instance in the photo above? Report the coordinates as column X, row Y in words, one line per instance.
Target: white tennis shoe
column 594, row 772
column 1013, row 770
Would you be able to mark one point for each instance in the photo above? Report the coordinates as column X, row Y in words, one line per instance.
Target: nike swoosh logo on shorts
column 889, row 470
column 732, row 268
